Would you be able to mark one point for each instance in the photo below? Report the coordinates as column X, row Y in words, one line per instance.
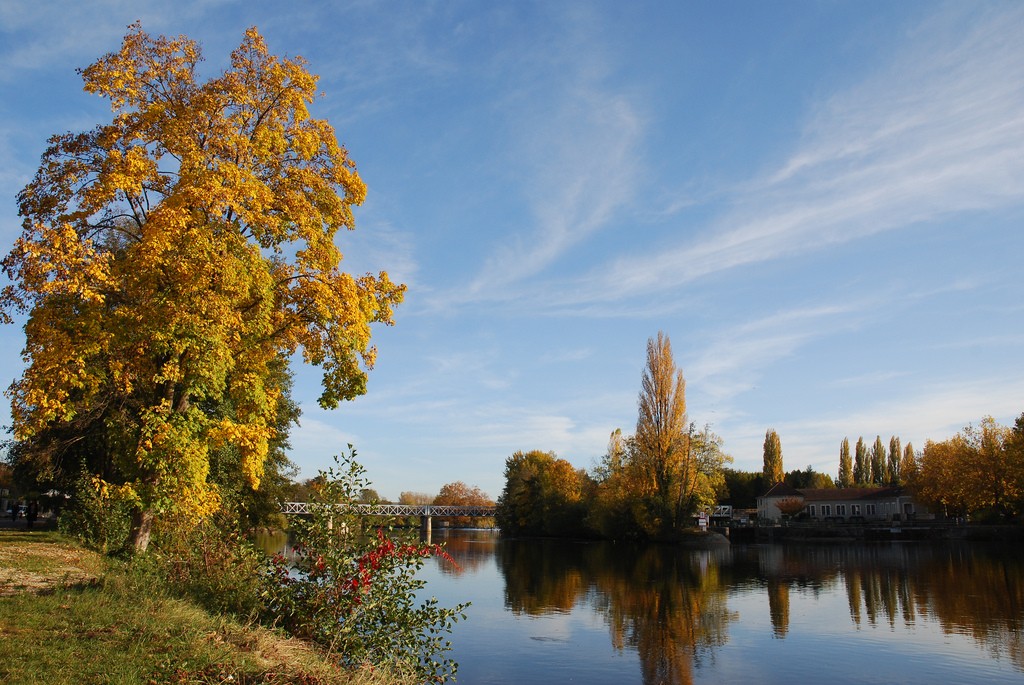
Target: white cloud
column 941, row 131
column 731, row 361
column 54, row 32
column 572, row 154
column 583, row 171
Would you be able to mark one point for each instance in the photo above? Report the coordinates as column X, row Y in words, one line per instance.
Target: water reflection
column 671, row 606
column 974, row 592
column 673, row 616
column 666, row 604
column 469, row 549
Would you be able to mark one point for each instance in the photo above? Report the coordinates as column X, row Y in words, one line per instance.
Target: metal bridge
column 441, row 510
column 426, row 512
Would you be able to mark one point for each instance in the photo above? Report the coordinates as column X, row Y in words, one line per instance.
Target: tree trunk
column 142, row 529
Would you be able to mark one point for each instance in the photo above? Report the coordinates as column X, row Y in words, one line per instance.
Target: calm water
column 558, row 612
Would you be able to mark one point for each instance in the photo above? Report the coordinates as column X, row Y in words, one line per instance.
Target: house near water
column 839, row 505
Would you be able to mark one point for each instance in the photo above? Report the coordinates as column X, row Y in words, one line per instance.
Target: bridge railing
column 438, row 510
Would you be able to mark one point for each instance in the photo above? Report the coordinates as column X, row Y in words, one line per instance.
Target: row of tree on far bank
column 979, row 471
column 877, row 467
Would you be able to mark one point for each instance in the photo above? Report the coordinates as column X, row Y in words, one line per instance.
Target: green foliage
column 543, row 495
column 648, row 485
column 102, row 621
column 861, row 464
column 908, row 465
column 878, row 462
column 212, row 564
column 96, row 517
column 808, row 479
column 355, row 594
column 892, row 466
column 743, row 488
column 170, row 259
column 660, row 453
column 257, row 507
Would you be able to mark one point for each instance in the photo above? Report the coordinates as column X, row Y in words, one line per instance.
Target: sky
column 821, row 204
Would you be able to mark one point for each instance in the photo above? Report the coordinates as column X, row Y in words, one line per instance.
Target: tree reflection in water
column 670, row 605
column 973, row 591
column 970, row 590
column 667, row 604
column 469, row 548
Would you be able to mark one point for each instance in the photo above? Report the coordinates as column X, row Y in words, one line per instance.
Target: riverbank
column 866, row 533
column 70, row 616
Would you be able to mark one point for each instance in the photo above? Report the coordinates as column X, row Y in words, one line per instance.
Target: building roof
column 834, row 494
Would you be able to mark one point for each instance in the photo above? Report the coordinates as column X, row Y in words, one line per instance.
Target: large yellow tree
column 171, row 256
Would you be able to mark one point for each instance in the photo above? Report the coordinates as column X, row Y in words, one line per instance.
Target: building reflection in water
column 671, row 606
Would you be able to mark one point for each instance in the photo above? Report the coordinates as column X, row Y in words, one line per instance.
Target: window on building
column 826, row 509
column 840, row 510
column 870, row 508
column 855, row 509
column 810, row 511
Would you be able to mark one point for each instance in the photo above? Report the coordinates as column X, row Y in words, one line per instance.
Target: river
column 597, row 612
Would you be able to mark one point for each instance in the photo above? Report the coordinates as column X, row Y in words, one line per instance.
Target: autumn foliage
column 170, row 258
column 649, row 485
column 979, row 471
column 462, row 495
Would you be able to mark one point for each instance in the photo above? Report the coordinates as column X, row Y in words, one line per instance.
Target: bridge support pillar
column 425, row 525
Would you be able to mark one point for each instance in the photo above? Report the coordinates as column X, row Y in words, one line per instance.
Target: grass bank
column 69, row 616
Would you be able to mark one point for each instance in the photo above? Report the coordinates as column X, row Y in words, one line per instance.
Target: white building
column 849, row 505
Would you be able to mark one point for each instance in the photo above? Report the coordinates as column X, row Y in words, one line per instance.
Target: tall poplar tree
column 772, row 470
column 845, row 465
column 861, row 465
column 878, row 473
column 893, row 465
column 908, row 465
column 172, row 257
column 661, row 440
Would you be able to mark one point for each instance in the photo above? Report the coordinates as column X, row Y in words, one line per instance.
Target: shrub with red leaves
column 357, row 593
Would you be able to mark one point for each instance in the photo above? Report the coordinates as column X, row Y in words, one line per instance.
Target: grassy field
column 70, row 616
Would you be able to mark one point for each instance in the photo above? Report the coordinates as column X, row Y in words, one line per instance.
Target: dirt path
column 35, row 562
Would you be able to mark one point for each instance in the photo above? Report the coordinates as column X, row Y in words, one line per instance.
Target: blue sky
column 820, row 203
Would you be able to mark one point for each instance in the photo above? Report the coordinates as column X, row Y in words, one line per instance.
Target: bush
column 355, row 593
column 210, row 563
column 98, row 516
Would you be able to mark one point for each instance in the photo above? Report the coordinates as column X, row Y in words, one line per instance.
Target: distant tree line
column 979, row 472
column 651, row 484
